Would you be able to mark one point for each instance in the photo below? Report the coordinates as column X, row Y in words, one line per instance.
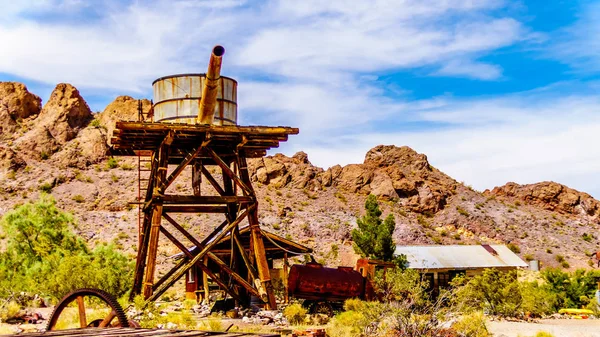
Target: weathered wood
column 197, row 177
column 213, row 241
column 228, row 171
column 81, row 310
column 188, row 158
column 212, row 181
column 204, row 200
column 156, row 216
column 194, row 209
column 216, row 129
column 140, row 263
column 255, row 232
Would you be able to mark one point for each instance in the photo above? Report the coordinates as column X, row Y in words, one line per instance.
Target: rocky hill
column 61, row 148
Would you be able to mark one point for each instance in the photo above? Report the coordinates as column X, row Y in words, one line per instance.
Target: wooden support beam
column 251, row 270
column 157, row 210
column 212, row 181
column 169, row 273
column 188, row 158
column 259, row 247
column 194, row 209
column 214, row 239
column 247, row 190
column 197, row 177
column 140, row 263
column 169, row 199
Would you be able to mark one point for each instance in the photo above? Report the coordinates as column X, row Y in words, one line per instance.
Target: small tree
column 373, row 238
column 44, row 256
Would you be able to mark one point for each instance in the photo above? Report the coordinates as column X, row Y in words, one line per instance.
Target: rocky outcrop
column 395, row 173
column 550, row 196
column 16, row 104
column 123, row 108
column 65, row 114
column 10, row 160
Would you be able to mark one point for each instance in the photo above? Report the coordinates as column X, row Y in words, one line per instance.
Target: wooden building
column 440, row 264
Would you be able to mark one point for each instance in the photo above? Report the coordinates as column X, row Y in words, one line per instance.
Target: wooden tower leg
column 257, row 241
column 157, row 210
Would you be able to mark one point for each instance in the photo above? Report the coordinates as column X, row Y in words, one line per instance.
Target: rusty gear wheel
column 78, row 297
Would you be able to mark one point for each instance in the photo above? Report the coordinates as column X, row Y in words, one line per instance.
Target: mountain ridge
column 61, row 148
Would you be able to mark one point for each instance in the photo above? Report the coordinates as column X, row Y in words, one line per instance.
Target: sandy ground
column 557, row 327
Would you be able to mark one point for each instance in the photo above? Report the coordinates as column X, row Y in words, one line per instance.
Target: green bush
column 571, row 289
column 43, row 255
column 493, row 291
column 346, row 324
column 471, row 325
column 543, row 334
column 112, row 163
column 295, row 313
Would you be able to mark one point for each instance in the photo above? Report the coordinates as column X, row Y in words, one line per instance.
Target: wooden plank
column 194, row 209
column 188, row 158
column 204, row 200
column 228, row 172
column 212, row 256
column 213, row 241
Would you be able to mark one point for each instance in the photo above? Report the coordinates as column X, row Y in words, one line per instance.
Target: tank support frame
column 206, row 149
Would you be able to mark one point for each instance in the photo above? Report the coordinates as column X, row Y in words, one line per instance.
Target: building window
column 443, row 280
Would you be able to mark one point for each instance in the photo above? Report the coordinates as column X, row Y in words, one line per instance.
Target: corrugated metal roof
column 459, row 257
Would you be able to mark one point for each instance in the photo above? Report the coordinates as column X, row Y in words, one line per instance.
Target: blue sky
column 492, row 91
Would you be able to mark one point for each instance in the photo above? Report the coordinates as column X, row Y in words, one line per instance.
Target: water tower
column 194, row 124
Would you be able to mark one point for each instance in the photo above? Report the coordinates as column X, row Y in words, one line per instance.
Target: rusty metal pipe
column 206, row 109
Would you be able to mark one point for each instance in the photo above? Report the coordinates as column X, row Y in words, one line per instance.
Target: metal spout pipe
column 206, row 109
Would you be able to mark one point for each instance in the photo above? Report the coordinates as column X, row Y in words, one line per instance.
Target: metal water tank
column 177, row 99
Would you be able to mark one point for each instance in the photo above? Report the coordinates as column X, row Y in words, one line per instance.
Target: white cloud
column 314, row 64
column 529, row 137
column 130, row 44
column 478, row 70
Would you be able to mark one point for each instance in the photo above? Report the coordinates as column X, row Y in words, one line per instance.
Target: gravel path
column 557, row 327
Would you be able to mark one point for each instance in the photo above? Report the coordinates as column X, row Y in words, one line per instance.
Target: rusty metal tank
column 315, row 282
column 179, row 98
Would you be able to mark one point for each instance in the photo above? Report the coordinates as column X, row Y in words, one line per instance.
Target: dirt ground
column 557, row 327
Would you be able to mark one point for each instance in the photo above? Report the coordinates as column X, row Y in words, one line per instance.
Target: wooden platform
column 122, row 332
column 142, row 138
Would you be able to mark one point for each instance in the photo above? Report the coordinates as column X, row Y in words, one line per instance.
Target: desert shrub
column 493, row 291
column 514, row 248
column 543, row 334
column 538, row 299
column 9, row 310
column 78, row 198
column 295, row 313
column 572, row 290
column 471, row 325
column 112, row 163
column 346, row 324
column 44, row 256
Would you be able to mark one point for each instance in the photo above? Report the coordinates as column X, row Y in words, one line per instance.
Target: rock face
column 395, row 173
column 550, row 196
column 16, row 103
column 65, row 114
column 122, row 108
column 10, row 160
